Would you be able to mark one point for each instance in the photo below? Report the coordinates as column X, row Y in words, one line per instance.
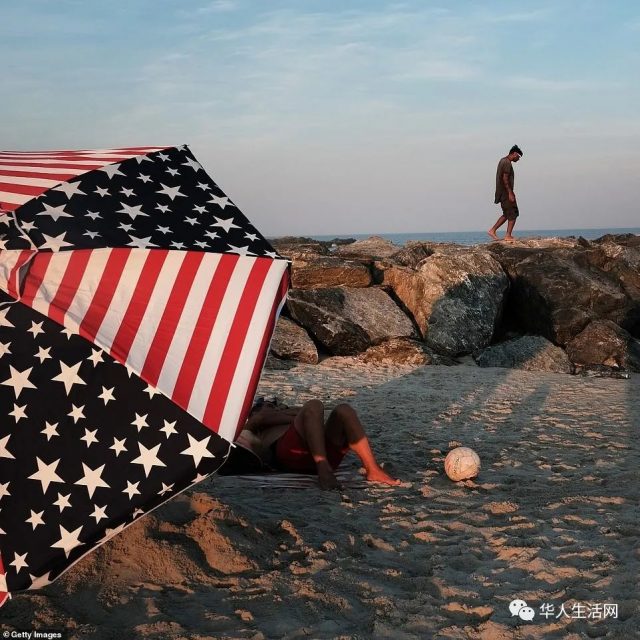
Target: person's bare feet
column 378, row 475
column 327, row 480
column 509, row 238
column 492, row 234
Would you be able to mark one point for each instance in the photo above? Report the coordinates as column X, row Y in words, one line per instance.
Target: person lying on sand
column 298, row 440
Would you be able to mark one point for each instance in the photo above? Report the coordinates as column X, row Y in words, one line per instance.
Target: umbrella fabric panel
column 86, row 447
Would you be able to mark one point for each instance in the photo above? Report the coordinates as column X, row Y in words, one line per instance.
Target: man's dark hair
column 517, row 149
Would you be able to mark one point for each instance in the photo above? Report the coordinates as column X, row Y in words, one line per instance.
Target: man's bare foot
column 327, row 480
column 492, row 234
column 378, row 475
column 509, row 238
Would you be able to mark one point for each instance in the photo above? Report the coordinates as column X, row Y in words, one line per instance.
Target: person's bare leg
column 510, row 226
column 344, row 426
column 499, row 222
column 310, row 425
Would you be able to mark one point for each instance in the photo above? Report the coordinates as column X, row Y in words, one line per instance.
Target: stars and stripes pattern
column 136, row 308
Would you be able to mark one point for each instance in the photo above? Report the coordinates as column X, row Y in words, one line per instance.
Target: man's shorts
column 292, row 454
column 509, row 209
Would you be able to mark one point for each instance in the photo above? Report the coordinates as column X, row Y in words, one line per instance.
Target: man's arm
column 507, row 186
column 268, row 417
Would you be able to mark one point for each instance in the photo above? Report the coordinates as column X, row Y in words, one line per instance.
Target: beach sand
column 552, row 518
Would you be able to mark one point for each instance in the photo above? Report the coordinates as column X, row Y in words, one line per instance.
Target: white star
column 36, row 328
column 28, row 226
column 271, row 254
column 69, row 376
column 109, row 533
column 112, row 170
column 37, row 582
column 196, row 166
column 222, row 202
column 165, row 489
column 4, row 348
column 152, row 391
column 19, row 561
column 172, row 192
column 162, row 207
column 173, row 172
column 148, row 458
column 225, row 224
column 199, row 209
column 252, row 237
column 68, row 332
column 132, row 489
column 3, row 318
column 43, row 354
column 211, row 234
column 95, row 357
column 94, row 215
column 89, row 437
column 54, row 212
column 55, row 243
column 127, row 193
column 163, row 156
column 18, row 412
column 199, row 478
column 169, row 428
column 4, row 490
column 125, row 227
column 241, row 251
column 137, row 512
column 197, row 449
column 141, row 243
column 68, row 539
column 19, row 380
column 141, row 159
column 204, row 186
column 35, row 519
column 177, row 245
column 63, row 502
column 107, row 395
column 132, row 211
column 50, row 430
column 92, row 234
column 70, row 189
column 162, row 229
column 140, row 421
column 118, row 446
column 191, row 221
column 102, row 192
column 76, row 413
column 201, row 244
column 46, row 474
column 144, row 178
column 4, row 452
column 99, row 513
column 91, row 479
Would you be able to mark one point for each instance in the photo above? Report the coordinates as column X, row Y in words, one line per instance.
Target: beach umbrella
column 137, row 305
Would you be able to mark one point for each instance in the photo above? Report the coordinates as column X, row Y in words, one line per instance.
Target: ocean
column 479, row 237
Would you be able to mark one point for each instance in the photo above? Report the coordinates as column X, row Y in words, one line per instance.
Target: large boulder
column 556, row 291
column 312, row 272
column 532, row 353
column 291, row 342
column 603, row 342
column 455, row 298
column 348, row 320
column 373, row 247
column 404, row 351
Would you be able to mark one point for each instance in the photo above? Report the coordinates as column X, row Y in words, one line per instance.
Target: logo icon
column 521, row 609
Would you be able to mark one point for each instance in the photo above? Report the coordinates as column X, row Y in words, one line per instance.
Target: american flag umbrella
column 137, row 304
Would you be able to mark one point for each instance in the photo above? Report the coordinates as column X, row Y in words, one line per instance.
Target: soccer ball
column 462, row 463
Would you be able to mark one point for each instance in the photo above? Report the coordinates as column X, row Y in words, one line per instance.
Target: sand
column 552, row 518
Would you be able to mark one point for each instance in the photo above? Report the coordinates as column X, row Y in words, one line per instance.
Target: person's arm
column 507, row 186
column 266, row 418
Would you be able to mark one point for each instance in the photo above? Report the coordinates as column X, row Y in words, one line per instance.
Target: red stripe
column 68, row 286
column 235, row 341
column 262, row 353
column 9, row 206
column 14, row 276
column 170, row 317
column 138, row 304
column 39, row 266
column 25, row 189
column 104, row 293
column 3, row 594
column 49, row 164
column 61, row 177
column 204, row 326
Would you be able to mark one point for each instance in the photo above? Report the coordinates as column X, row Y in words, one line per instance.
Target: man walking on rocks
column 505, row 196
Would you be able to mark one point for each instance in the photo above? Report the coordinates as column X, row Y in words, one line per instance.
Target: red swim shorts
column 292, row 453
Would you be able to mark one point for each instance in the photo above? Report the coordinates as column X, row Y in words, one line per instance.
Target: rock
column 603, row 342
column 305, row 248
column 374, row 247
column 324, row 272
column 412, row 254
column 291, row 342
column 346, row 321
column 556, row 291
column 404, row 351
column 531, row 353
column 456, row 299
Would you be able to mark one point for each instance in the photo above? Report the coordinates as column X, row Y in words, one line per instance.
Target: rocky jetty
column 553, row 304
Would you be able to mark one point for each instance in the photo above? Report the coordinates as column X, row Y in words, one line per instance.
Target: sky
column 327, row 117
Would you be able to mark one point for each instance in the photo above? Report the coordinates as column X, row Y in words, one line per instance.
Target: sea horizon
column 478, row 237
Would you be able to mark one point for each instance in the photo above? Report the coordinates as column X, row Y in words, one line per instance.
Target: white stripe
column 250, row 351
column 51, row 281
column 219, row 335
column 87, row 288
column 187, row 323
column 8, row 260
column 29, row 169
column 47, row 161
column 14, row 198
column 167, row 279
column 121, row 298
column 31, row 182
